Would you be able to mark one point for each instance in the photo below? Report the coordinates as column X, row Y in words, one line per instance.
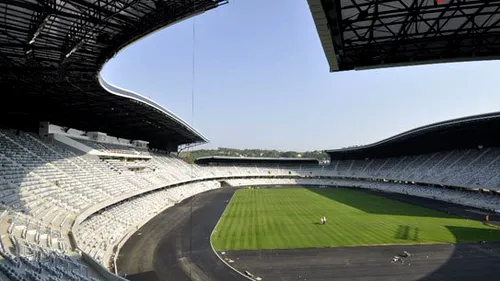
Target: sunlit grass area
column 290, row 218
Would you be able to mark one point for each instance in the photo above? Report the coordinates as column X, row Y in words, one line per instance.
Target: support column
column 43, row 129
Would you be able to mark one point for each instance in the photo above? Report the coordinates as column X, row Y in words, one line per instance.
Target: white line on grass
column 213, row 249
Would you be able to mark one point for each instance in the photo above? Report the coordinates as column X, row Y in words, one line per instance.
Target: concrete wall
column 71, row 142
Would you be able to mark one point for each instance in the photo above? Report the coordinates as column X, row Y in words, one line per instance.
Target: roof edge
column 420, row 130
column 428, row 62
column 324, row 33
column 140, row 98
column 115, row 90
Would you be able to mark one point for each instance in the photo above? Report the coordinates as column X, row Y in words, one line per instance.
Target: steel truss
column 376, row 33
column 52, row 50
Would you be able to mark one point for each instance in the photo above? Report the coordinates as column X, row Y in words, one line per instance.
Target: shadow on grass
column 469, row 234
column 373, row 204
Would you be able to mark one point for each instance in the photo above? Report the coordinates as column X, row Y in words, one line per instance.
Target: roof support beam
column 50, row 55
column 38, row 30
column 102, row 11
column 40, row 19
column 60, row 13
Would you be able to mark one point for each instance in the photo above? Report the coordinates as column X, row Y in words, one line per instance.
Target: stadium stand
column 53, row 192
column 103, row 230
column 67, row 201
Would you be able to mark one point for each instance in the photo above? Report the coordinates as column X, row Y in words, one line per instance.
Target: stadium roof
column 51, row 53
column 467, row 132
column 359, row 34
column 255, row 160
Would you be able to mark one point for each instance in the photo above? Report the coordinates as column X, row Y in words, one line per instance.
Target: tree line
column 233, row 152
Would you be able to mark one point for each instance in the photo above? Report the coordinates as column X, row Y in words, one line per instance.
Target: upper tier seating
column 472, row 168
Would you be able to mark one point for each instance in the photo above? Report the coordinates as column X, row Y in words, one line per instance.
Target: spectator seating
column 98, row 235
column 45, row 186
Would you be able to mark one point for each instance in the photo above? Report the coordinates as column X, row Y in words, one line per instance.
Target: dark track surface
column 162, row 252
column 168, row 248
column 427, row 262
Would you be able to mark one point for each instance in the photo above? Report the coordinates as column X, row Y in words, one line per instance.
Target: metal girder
column 367, row 34
column 40, row 19
column 51, row 52
column 103, row 8
column 70, row 15
column 173, row 11
column 83, row 30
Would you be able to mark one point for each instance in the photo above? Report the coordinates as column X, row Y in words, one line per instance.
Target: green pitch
column 289, row 218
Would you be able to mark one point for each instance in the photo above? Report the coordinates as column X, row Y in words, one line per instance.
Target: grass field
column 289, row 218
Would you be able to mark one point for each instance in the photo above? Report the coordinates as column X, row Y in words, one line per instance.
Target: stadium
column 91, row 187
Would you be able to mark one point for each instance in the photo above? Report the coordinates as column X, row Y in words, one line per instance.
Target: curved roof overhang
column 180, row 123
column 461, row 133
column 360, row 34
column 51, row 53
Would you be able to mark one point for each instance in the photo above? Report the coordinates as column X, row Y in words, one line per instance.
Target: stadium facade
column 70, row 199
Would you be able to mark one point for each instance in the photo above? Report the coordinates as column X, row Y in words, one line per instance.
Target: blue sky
column 262, row 81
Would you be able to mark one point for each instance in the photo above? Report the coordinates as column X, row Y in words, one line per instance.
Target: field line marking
column 212, row 246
